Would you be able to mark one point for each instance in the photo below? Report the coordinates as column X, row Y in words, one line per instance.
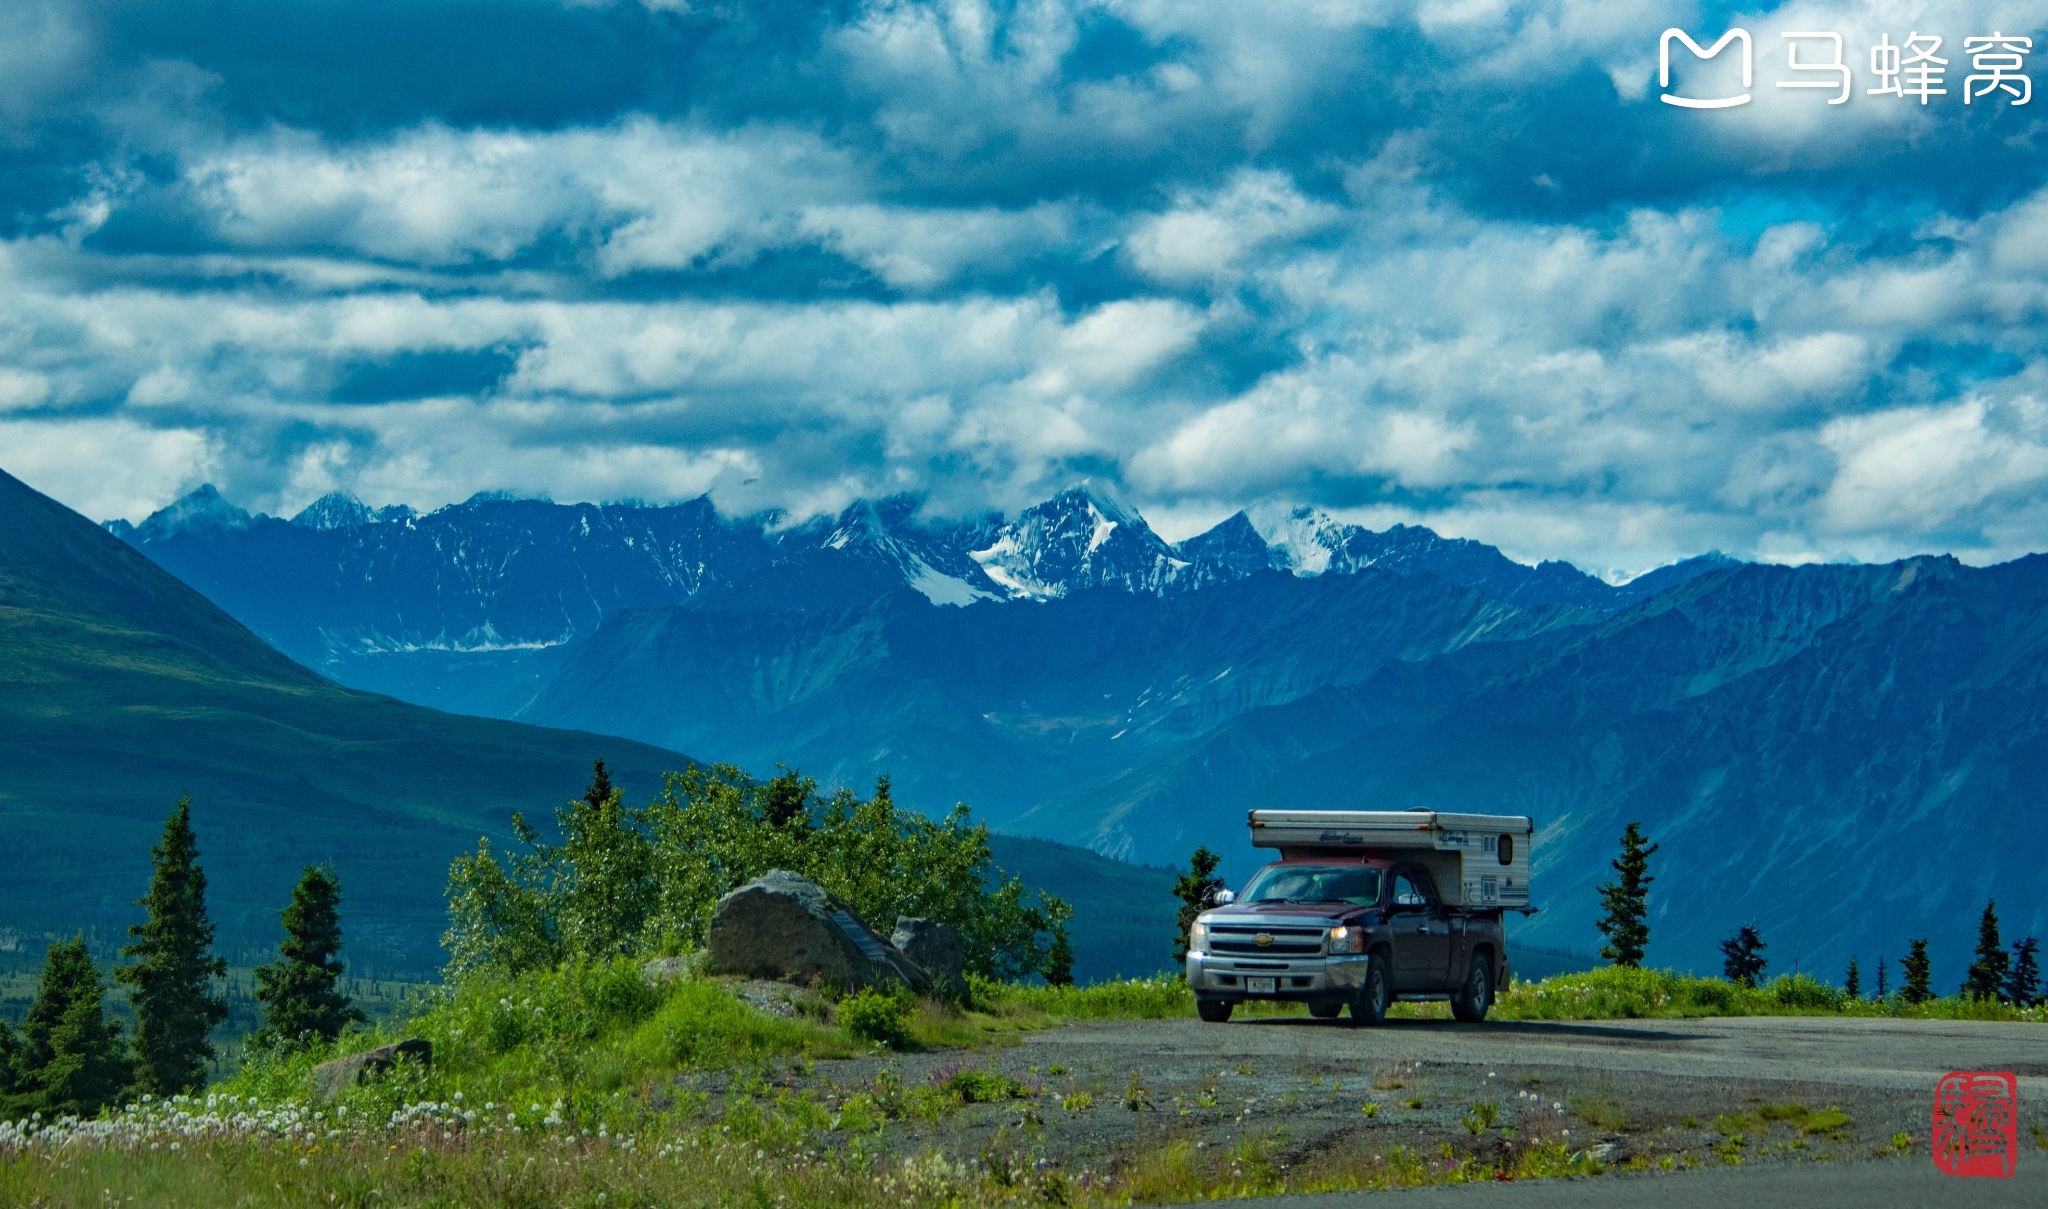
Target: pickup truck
column 1354, row 915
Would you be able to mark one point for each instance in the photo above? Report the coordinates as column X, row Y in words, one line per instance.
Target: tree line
column 69, row 1057
column 1994, row 974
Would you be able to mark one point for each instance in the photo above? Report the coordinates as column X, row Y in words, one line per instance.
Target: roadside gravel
column 1656, row 1095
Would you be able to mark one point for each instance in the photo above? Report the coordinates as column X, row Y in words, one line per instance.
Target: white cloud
column 106, row 468
column 1210, row 236
column 1918, row 469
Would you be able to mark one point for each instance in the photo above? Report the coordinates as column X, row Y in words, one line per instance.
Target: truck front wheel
column 1375, row 996
column 1470, row 1003
column 1215, row 1011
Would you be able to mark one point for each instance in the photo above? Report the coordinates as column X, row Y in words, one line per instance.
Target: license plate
column 1259, row 986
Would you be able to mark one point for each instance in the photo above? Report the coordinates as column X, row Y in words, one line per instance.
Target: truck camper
column 1365, row 907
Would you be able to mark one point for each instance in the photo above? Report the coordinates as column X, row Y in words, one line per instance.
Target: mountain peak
column 335, row 510
column 1083, row 537
column 1231, row 549
column 201, row 508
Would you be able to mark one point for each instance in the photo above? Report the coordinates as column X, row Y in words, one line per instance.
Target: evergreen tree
column 1852, row 982
column 1626, row 924
column 69, row 1057
column 1918, row 988
column 785, row 798
column 173, row 1011
column 1986, row 976
column 1059, row 955
column 2023, row 982
column 9, row 1053
column 1881, row 991
column 1742, row 956
column 1196, row 889
column 600, row 790
column 299, row 993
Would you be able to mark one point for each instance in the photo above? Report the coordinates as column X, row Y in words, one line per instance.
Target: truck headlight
column 1347, row 939
column 1198, row 937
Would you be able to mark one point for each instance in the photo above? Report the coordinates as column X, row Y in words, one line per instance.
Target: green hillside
column 121, row 688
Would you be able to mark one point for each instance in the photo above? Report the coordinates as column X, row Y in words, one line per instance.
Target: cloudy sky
column 1442, row 261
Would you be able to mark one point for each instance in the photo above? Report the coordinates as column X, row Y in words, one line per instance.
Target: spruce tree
column 69, row 1057
column 785, row 799
column 1742, row 956
column 9, row 1052
column 299, row 993
column 1986, row 977
column 1059, row 954
column 1626, row 898
column 2023, row 981
column 600, row 791
column 1918, row 988
column 1196, row 889
column 1852, row 982
column 1881, row 991
column 173, row 1011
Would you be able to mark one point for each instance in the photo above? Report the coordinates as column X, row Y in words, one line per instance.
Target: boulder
column 935, row 947
column 782, row 925
column 330, row 1079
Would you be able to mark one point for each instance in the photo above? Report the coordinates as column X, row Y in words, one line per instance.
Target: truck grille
column 1243, row 939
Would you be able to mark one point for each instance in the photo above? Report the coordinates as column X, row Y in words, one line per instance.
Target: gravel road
column 1655, row 1074
column 1904, row 1055
column 1680, row 1112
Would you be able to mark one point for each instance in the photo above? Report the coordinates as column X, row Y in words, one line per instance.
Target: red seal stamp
column 1977, row 1123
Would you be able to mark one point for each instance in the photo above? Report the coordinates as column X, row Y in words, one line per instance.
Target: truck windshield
column 1314, row 884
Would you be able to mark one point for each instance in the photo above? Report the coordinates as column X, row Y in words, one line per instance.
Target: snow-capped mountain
column 1081, row 538
column 471, row 606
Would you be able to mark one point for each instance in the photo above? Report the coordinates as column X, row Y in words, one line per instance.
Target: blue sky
column 1449, row 262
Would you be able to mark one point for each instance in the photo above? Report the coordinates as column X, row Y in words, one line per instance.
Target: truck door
column 1422, row 933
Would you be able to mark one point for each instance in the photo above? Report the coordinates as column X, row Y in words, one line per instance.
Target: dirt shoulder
column 1290, row 1102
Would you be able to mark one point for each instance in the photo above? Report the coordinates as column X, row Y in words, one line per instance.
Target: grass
column 560, row 1089
column 1620, row 994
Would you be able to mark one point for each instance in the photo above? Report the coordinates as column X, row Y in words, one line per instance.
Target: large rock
column 935, row 948
column 330, row 1079
column 783, row 925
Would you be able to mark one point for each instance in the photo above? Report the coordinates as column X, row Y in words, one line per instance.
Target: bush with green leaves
column 876, row 1014
column 642, row 881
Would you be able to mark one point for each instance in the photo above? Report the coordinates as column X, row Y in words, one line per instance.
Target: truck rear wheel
column 1470, row 1003
column 1375, row 996
column 1215, row 1011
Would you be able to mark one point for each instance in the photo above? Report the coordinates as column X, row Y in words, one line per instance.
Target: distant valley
column 1820, row 749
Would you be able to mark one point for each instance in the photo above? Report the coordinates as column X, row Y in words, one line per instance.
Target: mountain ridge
column 122, row 688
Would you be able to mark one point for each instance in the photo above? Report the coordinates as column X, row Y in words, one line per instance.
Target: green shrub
column 701, row 1025
column 1804, row 991
column 881, row 1016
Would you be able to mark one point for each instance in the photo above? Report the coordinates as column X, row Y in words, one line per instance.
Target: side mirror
column 1225, row 897
column 1410, row 902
